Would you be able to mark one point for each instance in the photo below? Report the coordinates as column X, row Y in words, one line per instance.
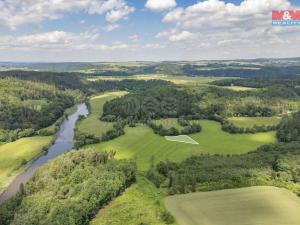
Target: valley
column 169, row 145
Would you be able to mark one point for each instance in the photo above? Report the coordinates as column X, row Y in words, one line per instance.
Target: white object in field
column 182, row 138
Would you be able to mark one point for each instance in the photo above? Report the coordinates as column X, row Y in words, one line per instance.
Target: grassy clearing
column 141, row 143
column 240, row 88
column 15, row 155
column 140, row 204
column 251, row 121
column 92, row 124
column 246, row 206
column 185, row 80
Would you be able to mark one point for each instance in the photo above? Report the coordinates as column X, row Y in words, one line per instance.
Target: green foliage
column 275, row 165
column 141, row 143
column 141, row 204
column 72, row 193
column 228, row 103
column 258, row 82
column 92, row 124
column 34, row 100
column 186, row 128
column 162, row 102
column 249, row 122
column 233, row 129
column 19, row 118
column 167, row 217
column 289, row 128
column 85, row 139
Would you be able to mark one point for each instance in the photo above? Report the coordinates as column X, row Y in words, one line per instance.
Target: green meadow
column 246, row 206
column 145, row 146
column 240, row 88
column 180, row 80
column 251, row 121
column 15, row 155
column 92, row 124
column 139, row 204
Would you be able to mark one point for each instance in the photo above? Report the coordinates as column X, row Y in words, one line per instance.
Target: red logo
column 286, row 15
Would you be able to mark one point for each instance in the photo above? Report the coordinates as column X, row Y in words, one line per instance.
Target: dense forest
column 205, row 102
column 289, row 128
column 259, row 82
column 227, row 71
column 69, row 194
column 77, row 81
column 27, row 106
column 159, row 102
column 266, row 102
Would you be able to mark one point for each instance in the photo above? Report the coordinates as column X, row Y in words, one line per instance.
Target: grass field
column 240, row 88
column 251, row 121
column 185, row 80
column 246, row 206
column 141, row 143
column 140, row 204
column 92, row 124
column 14, row 155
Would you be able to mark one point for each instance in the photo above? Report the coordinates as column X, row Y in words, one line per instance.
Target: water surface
column 64, row 142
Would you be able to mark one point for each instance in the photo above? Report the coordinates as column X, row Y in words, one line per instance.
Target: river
column 64, row 142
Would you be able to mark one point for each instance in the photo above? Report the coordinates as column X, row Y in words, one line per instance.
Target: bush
column 167, row 217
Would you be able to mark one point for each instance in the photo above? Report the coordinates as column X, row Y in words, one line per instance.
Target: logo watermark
column 286, row 17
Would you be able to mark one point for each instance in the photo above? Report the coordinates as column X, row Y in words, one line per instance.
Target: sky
column 144, row 30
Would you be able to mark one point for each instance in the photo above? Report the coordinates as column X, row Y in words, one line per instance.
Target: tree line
column 274, row 165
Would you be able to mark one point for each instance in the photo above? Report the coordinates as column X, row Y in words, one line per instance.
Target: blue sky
column 128, row 30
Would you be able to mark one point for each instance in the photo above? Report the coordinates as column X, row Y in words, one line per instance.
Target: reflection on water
column 63, row 143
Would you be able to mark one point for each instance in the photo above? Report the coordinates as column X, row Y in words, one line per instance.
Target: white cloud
column 102, row 47
column 59, row 41
column 166, row 33
column 159, row 5
column 47, row 40
column 208, row 29
column 111, row 27
column 134, row 37
column 117, row 14
column 175, row 35
column 15, row 13
column 230, row 30
column 182, row 36
column 154, row 46
column 217, row 13
column 174, row 15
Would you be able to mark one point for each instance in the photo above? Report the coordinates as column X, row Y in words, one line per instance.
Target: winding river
column 64, row 142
